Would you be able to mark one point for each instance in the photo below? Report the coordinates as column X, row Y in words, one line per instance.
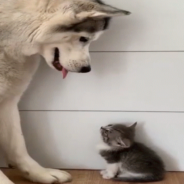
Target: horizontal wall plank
column 118, row 82
column 68, row 140
column 154, row 25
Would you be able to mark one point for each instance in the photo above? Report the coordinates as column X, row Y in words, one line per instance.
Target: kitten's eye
column 83, row 39
column 119, row 144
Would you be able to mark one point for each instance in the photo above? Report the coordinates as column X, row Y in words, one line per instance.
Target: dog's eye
column 83, row 39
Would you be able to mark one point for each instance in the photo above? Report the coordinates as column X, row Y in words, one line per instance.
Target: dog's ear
column 91, row 9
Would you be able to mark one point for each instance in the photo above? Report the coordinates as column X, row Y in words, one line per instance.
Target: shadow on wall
column 44, row 76
column 99, row 68
column 124, row 30
column 169, row 161
column 43, row 144
column 40, row 133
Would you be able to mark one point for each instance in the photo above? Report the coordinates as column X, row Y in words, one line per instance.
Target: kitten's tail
column 148, row 178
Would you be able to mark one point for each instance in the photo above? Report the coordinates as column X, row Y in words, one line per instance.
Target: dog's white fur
column 26, row 36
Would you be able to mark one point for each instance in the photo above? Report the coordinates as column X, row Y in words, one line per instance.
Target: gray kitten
column 127, row 160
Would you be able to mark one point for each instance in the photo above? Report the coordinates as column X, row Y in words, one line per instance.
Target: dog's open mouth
column 57, row 65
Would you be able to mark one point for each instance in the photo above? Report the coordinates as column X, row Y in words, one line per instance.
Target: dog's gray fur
column 31, row 30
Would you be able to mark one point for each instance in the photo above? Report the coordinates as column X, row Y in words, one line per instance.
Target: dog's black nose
column 85, row 69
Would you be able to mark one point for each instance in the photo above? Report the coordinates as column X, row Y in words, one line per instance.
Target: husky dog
column 58, row 31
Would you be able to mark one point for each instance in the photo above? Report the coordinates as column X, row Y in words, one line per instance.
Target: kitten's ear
column 133, row 126
column 125, row 143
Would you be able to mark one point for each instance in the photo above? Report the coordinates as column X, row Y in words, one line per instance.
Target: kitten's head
column 118, row 136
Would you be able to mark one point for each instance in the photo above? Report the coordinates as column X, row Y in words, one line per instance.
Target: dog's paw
column 6, row 182
column 4, row 179
column 48, row 176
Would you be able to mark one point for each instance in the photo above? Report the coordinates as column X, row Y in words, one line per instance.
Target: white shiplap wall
column 138, row 73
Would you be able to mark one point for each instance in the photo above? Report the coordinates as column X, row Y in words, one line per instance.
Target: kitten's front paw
column 107, row 176
column 103, row 172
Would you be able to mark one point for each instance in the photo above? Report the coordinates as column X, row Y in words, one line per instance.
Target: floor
column 91, row 177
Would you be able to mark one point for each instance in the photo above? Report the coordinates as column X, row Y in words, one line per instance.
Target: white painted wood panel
column 154, row 25
column 118, row 82
column 68, row 139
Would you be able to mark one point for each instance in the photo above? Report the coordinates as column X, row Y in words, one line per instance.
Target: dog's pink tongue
column 64, row 72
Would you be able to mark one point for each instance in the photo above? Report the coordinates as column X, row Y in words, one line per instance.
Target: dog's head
column 67, row 35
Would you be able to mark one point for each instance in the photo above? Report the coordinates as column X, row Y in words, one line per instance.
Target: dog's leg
column 13, row 144
column 4, row 179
